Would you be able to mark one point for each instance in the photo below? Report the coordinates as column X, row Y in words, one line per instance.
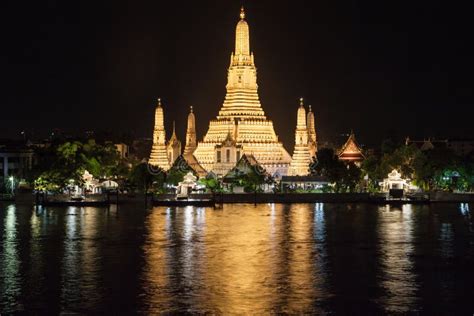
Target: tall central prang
column 241, row 118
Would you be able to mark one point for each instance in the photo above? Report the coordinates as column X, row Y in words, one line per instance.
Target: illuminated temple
column 241, row 125
column 159, row 151
column 351, row 151
column 302, row 154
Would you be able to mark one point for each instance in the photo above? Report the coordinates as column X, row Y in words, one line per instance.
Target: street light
column 12, row 182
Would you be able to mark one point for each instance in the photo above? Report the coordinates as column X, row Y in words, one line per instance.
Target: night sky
column 381, row 68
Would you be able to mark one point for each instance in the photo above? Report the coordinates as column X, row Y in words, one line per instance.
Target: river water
column 242, row 259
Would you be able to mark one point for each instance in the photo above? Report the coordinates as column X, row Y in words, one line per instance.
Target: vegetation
column 63, row 164
column 251, row 178
column 144, row 178
column 178, row 170
column 345, row 177
column 212, row 184
column 434, row 169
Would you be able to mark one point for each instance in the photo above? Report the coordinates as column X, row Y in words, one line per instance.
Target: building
column 427, row 144
column 307, row 183
column 174, row 147
column 301, row 155
column 123, row 150
column 15, row 160
column 245, row 166
column 312, row 138
column 140, row 148
column 461, row 147
column 394, row 181
column 191, row 145
column 159, row 155
column 191, row 139
column 227, row 153
column 351, row 151
column 242, row 116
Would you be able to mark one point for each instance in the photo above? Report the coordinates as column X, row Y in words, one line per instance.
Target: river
column 242, row 259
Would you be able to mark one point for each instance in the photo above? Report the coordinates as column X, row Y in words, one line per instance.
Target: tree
column 253, row 181
column 143, row 177
column 344, row 177
column 212, row 184
column 66, row 162
column 248, row 175
column 370, row 168
column 351, row 177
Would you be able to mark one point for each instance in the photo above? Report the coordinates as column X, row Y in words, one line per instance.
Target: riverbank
column 288, row 198
column 253, row 198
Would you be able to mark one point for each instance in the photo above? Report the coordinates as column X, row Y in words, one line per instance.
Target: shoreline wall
column 434, row 197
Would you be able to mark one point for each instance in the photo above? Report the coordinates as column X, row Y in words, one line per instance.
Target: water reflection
column 157, row 269
column 304, row 279
column 71, row 258
column 398, row 281
column 221, row 261
column 238, row 266
column 242, row 259
column 10, row 281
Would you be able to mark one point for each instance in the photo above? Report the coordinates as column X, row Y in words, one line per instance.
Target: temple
column 159, row 155
column 351, row 151
column 174, row 147
column 241, row 122
column 312, row 139
column 301, row 156
column 191, row 144
column 191, row 138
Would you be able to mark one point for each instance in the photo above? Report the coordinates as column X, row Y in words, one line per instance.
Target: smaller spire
column 301, row 102
column 174, row 127
column 309, row 108
column 242, row 13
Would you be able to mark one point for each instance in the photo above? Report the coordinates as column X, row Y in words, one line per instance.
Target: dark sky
column 378, row 67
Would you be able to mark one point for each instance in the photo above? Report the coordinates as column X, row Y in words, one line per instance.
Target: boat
column 184, row 202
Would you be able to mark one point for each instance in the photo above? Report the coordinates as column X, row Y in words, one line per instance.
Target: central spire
column 242, row 117
column 242, row 38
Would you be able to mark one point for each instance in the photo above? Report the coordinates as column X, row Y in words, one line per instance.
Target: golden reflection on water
column 157, row 262
column 269, row 259
column 223, row 262
column 302, row 278
column 395, row 228
column 238, row 260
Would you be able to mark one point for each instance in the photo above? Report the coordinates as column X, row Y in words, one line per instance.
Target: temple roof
column 351, row 150
column 245, row 165
column 194, row 164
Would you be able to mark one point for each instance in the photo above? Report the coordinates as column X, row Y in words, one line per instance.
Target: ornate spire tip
column 242, row 13
column 191, row 108
column 301, row 101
